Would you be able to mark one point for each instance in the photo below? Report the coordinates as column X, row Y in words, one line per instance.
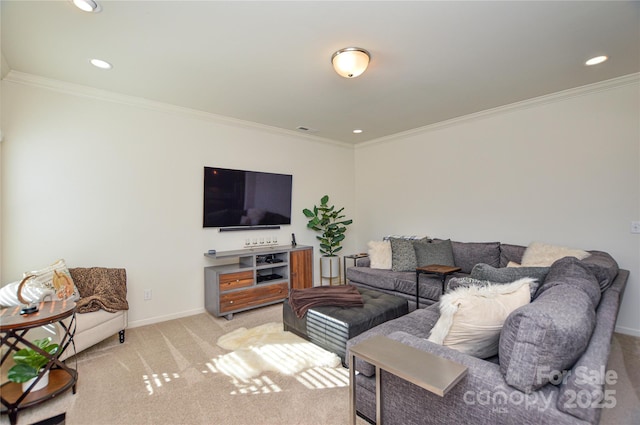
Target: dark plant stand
column 13, row 331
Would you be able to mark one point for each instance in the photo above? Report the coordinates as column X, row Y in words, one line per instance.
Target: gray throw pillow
column 403, row 256
column 507, row 274
column 434, row 252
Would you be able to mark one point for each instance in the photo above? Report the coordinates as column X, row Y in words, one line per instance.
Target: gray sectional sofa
column 553, row 352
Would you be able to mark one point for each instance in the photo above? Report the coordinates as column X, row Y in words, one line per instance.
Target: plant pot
column 40, row 385
column 329, row 269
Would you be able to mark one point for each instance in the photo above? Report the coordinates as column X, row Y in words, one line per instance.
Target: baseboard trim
column 627, row 331
column 158, row 319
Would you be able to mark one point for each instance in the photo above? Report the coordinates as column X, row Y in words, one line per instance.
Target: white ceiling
column 268, row 62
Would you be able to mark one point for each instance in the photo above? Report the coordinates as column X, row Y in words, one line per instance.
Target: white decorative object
column 40, row 385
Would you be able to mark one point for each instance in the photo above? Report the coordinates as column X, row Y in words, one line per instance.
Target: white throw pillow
column 53, row 281
column 541, row 254
column 471, row 318
column 380, row 255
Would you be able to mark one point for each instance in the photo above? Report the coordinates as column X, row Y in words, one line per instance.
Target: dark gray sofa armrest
column 363, row 262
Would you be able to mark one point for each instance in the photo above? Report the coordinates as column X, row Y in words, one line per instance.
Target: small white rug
column 269, row 348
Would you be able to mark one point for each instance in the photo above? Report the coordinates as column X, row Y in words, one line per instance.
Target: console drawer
column 253, row 297
column 236, row 280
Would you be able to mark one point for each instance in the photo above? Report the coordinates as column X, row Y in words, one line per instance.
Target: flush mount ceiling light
column 596, row 60
column 99, row 63
column 350, row 61
column 87, row 5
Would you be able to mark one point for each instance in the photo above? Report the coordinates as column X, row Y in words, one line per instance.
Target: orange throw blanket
column 302, row 300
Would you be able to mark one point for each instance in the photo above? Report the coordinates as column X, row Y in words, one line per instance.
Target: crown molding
column 109, row 96
column 613, row 83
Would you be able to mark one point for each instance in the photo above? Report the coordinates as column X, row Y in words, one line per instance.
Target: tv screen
column 245, row 198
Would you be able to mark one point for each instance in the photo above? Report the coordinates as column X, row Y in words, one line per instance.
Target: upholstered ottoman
column 330, row 327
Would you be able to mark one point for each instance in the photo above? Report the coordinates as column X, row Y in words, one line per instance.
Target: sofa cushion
column 542, row 254
column 508, row 274
column 509, row 252
column 545, row 336
column 569, row 271
column 430, row 285
column 434, row 252
column 468, row 254
column 383, row 279
column 403, row 256
column 603, row 266
column 380, row 255
column 471, row 317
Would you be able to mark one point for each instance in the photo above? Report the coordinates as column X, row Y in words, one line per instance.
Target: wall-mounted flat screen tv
column 234, row 198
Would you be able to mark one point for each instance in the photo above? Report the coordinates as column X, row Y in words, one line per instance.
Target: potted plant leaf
column 29, row 363
column 331, row 223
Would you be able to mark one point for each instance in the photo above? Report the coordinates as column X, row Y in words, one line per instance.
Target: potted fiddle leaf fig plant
column 29, row 363
column 332, row 224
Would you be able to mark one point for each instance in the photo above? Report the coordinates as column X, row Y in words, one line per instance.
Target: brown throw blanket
column 100, row 288
column 302, row 300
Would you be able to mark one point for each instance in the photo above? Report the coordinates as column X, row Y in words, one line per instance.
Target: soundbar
column 236, row 228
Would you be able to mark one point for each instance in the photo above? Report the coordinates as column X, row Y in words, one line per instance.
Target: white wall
column 563, row 169
column 106, row 181
column 117, row 182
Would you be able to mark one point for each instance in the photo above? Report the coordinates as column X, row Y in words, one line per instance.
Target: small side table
column 353, row 257
column 13, row 329
column 440, row 270
column 426, row 370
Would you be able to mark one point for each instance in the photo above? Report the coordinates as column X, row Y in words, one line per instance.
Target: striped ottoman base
column 330, row 327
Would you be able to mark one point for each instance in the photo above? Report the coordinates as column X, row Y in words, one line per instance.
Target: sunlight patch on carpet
column 269, row 348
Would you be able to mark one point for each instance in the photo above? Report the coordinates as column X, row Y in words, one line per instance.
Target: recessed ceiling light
column 87, row 5
column 357, row 131
column 99, row 63
column 596, row 60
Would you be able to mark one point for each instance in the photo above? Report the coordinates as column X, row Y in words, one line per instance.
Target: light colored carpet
column 268, row 348
column 170, row 373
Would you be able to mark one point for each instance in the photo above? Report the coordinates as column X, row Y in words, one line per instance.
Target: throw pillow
column 380, row 255
column 542, row 254
column 433, row 252
column 471, row 318
column 54, row 281
column 403, row 256
column 458, row 282
column 509, row 274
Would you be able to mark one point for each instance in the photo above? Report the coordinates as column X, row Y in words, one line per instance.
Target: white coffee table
column 428, row 371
